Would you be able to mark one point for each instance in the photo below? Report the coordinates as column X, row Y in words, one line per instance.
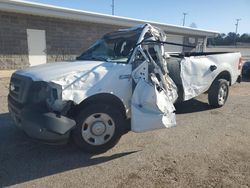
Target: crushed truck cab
column 126, row 76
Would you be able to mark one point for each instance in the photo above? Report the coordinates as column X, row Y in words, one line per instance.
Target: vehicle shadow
column 191, row 106
column 22, row 159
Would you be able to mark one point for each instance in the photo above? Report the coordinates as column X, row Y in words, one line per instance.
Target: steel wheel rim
column 222, row 96
column 98, row 129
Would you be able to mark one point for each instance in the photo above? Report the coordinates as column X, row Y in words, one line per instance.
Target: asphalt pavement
column 208, row 148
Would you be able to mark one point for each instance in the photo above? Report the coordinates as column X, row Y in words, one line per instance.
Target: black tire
column 97, row 111
column 216, row 98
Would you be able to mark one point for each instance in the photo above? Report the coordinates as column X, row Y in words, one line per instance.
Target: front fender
column 112, row 79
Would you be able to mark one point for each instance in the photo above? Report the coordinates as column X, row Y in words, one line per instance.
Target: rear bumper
column 39, row 124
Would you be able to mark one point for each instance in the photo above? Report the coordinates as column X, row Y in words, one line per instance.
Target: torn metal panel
column 150, row 108
column 196, row 76
column 158, row 66
column 153, row 97
column 141, row 72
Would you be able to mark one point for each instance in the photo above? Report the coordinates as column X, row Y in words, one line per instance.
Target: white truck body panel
column 197, row 77
column 155, row 107
column 51, row 71
column 105, row 78
column 82, row 79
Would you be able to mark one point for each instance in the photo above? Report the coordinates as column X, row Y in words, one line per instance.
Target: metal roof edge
column 26, row 7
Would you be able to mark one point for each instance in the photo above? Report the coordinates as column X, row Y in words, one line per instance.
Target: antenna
column 113, row 7
column 236, row 30
column 184, row 18
column 237, row 24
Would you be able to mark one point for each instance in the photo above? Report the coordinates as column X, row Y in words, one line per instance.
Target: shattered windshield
column 113, row 47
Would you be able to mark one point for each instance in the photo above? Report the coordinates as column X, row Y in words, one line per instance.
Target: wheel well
column 224, row 75
column 104, row 98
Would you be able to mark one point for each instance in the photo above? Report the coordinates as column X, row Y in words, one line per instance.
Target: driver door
column 151, row 106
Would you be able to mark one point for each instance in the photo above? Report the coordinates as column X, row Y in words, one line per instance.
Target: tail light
column 240, row 63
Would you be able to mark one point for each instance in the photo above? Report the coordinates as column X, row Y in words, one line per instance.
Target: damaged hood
column 77, row 80
column 52, row 71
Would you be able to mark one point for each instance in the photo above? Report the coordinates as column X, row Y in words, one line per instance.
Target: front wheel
column 218, row 93
column 99, row 128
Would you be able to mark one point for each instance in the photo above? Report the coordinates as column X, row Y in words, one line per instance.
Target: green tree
column 193, row 25
column 230, row 39
column 245, row 38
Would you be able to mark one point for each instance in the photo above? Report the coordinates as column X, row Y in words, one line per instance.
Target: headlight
column 54, row 97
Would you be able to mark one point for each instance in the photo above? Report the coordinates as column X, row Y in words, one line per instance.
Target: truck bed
column 192, row 72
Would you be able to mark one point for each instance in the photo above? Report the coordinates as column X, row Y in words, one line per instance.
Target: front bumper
column 39, row 124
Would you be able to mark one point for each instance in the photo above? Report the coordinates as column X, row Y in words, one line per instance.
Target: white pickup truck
column 125, row 81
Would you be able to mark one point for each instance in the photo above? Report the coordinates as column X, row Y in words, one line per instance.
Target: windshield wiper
column 98, row 58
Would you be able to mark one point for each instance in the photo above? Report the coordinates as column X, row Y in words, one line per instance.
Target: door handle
column 213, row 67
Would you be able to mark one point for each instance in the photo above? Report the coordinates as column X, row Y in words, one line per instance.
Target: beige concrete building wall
column 65, row 39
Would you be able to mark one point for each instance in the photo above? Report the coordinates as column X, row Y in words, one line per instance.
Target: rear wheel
column 218, row 93
column 99, row 128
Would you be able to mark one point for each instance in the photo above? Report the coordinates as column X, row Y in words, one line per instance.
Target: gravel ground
column 207, row 148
